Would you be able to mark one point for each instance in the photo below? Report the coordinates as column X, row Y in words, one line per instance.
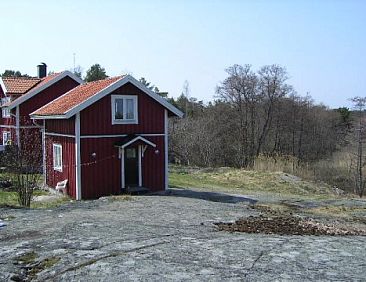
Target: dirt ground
column 167, row 237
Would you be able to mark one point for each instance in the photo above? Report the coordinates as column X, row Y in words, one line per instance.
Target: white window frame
column 5, row 112
column 57, row 159
column 125, row 121
column 6, row 138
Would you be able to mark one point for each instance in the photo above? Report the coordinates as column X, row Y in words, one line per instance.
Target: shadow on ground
column 208, row 196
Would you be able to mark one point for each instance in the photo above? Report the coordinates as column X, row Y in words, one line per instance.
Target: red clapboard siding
column 61, row 126
column 153, row 165
column 45, row 96
column 100, row 176
column 97, row 118
column 68, row 162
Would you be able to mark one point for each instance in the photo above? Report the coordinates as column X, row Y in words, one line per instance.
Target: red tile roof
column 19, row 85
column 46, row 79
column 75, row 97
column 16, row 86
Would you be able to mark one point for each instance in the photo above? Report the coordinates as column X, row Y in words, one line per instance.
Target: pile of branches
column 286, row 225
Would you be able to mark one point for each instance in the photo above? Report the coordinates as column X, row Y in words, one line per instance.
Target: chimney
column 42, row 70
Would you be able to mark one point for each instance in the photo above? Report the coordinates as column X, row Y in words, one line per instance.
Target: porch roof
column 130, row 139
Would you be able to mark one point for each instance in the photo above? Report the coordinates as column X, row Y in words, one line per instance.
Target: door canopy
column 132, row 139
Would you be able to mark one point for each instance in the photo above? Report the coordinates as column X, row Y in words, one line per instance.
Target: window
column 6, row 138
column 6, row 112
column 57, row 157
column 124, row 109
column 131, row 153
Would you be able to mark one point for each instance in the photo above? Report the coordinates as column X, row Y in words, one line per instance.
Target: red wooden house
column 106, row 137
column 20, row 96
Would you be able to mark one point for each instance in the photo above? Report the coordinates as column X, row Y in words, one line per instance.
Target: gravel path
column 167, row 237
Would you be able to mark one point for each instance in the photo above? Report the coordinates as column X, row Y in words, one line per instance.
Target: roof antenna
column 74, row 55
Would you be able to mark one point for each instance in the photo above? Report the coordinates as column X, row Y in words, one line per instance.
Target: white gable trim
column 136, row 139
column 3, row 87
column 34, row 92
column 112, row 87
column 155, row 96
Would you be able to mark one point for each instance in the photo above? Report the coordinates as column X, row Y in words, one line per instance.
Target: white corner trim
column 37, row 90
column 123, row 169
column 166, row 160
column 17, row 125
column 140, row 165
column 77, row 157
column 43, row 130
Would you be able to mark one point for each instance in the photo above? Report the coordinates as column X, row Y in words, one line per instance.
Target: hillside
column 248, row 182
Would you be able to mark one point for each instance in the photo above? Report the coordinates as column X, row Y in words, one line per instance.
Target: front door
column 131, row 167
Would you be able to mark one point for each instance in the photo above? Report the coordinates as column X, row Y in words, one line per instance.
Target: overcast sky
column 321, row 43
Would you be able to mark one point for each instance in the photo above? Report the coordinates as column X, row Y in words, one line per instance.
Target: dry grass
column 334, row 170
column 246, row 181
column 121, row 198
column 340, row 211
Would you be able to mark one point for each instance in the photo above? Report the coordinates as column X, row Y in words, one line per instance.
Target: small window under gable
column 124, row 109
column 5, row 112
column 57, row 157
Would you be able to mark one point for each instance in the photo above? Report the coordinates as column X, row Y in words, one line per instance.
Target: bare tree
column 240, row 90
column 24, row 164
column 272, row 87
column 359, row 179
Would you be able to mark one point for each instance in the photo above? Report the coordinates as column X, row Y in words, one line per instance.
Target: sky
column 321, row 43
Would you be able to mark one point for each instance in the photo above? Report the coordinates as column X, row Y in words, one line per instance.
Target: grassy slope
column 11, row 199
column 246, row 182
column 274, row 190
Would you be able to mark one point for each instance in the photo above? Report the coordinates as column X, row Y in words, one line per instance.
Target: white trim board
column 37, row 90
column 59, row 135
column 136, row 139
column 166, row 159
column 119, row 135
column 22, row 126
column 95, row 136
column 104, row 92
